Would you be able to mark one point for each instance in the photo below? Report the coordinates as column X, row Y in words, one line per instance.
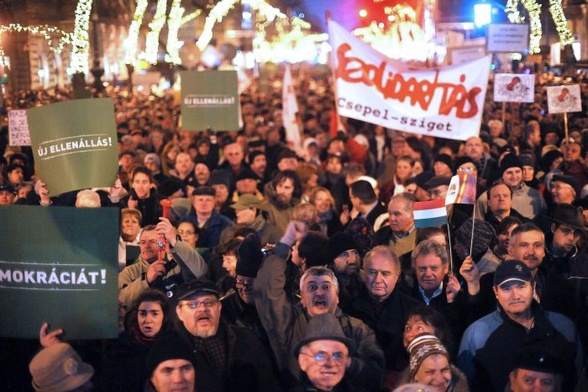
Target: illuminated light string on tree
column 534, row 10
column 174, row 21
column 222, row 8
column 80, row 40
column 152, row 40
column 132, row 41
column 48, row 32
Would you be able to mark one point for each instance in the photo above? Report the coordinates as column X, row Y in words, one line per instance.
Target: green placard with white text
column 74, row 144
column 59, row 265
column 210, row 99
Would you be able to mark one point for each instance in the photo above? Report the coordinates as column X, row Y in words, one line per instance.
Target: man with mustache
column 486, row 352
column 228, row 358
column 285, row 322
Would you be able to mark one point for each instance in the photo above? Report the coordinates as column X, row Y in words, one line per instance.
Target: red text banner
column 444, row 102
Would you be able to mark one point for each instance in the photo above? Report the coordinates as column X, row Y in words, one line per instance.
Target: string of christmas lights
column 534, row 10
column 132, row 41
column 80, row 40
column 174, row 21
column 152, row 40
column 48, row 32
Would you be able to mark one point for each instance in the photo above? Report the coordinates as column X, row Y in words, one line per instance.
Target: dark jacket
column 149, row 207
column 247, row 368
column 488, row 347
column 387, row 319
column 211, row 232
column 286, row 323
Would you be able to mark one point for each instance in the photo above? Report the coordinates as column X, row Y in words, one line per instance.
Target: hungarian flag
column 432, row 213
column 462, row 189
column 289, row 110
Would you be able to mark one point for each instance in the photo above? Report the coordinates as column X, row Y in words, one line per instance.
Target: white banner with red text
column 444, row 102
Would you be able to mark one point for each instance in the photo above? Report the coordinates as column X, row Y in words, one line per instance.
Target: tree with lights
column 533, row 9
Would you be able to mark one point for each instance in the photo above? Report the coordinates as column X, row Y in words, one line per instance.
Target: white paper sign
column 18, row 128
column 508, row 38
column 514, row 88
column 564, row 99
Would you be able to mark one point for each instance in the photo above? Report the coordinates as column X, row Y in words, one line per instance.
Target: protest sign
column 514, row 88
column 18, row 128
column 74, row 144
column 210, row 100
column 59, row 265
column 445, row 102
column 508, row 37
column 564, row 99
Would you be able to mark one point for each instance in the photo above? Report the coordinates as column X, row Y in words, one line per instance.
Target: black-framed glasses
column 207, row 303
column 323, row 357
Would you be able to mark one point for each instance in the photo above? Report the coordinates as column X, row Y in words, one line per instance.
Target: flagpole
column 450, row 248
column 473, row 226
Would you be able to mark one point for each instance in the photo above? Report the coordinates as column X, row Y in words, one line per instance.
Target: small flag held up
column 432, row 213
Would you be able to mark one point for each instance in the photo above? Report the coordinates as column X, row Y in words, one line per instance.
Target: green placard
column 210, row 100
column 74, row 144
column 59, row 265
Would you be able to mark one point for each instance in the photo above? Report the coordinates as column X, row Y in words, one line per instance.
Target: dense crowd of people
column 283, row 268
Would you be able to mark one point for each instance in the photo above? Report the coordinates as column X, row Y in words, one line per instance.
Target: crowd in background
column 279, row 236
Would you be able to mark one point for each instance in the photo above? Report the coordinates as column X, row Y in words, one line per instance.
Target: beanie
column 168, row 347
column 422, row 347
column 509, row 160
column 483, row 234
column 444, row 158
column 250, row 256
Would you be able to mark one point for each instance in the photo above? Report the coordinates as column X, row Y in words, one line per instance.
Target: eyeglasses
column 323, row 357
column 207, row 303
column 349, row 253
column 185, row 232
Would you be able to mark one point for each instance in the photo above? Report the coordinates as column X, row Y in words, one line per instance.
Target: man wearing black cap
column 485, row 352
column 7, row 194
column 171, row 366
column 258, row 164
column 526, row 200
column 206, row 217
column 246, row 184
column 564, row 190
column 536, row 369
column 228, row 358
column 437, row 187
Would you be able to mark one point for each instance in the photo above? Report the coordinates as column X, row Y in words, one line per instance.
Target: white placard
column 564, row 99
column 18, row 128
column 508, row 38
column 514, row 88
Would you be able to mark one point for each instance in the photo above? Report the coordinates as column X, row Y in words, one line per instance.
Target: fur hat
column 166, row 348
column 250, row 256
column 339, row 243
column 510, row 160
column 59, row 368
column 324, row 327
column 421, row 347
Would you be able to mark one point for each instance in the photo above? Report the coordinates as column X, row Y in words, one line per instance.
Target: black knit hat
column 550, row 157
column 483, row 234
column 510, row 160
column 339, row 243
column 204, row 190
column 446, row 159
column 250, row 256
column 165, row 348
column 538, row 358
column 220, row 177
column 460, row 161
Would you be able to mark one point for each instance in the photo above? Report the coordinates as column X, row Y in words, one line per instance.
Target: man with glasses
column 152, row 271
column 324, row 354
column 228, row 358
column 285, row 322
column 563, row 190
